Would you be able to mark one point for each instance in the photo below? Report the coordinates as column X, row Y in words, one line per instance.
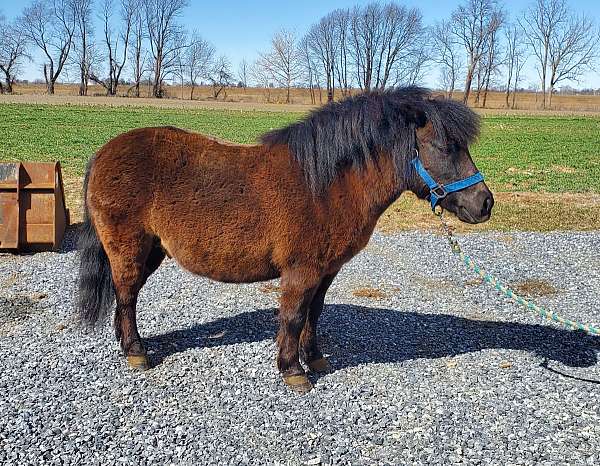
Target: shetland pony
column 298, row 205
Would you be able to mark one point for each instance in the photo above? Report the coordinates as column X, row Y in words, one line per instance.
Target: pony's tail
column 96, row 289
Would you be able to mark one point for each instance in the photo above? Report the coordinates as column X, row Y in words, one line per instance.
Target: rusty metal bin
column 33, row 214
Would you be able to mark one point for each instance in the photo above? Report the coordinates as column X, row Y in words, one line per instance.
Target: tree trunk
column 468, row 81
column 112, row 89
column 192, row 91
column 156, row 86
column 83, row 86
column 8, row 86
column 485, row 93
column 49, row 76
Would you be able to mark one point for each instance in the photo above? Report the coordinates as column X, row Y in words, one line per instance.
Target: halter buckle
column 439, row 191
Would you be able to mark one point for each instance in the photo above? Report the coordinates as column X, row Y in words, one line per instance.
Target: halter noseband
column 439, row 191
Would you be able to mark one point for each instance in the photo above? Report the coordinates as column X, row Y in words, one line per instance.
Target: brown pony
column 297, row 206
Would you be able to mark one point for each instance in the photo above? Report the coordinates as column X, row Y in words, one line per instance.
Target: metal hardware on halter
column 438, row 191
column 440, row 195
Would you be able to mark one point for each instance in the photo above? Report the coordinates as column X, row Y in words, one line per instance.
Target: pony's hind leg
column 153, row 261
column 298, row 288
column 309, row 348
column 128, row 251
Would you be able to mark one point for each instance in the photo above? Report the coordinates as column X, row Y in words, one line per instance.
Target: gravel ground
column 430, row 366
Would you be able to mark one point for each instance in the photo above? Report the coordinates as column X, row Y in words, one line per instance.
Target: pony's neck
column 369, row 191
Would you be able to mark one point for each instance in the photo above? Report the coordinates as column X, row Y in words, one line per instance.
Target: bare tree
column 197, row 59
column 365, row 38
column 341, row 22
column 540, row 23
column 413, row 67
column 220, row 75
column 165, row 36
column 573, row 50
column 388, row 45
column 83, row 47
column 116, row 42
column 491, row 60
column 514, row 60
column 263, row 78
column 321, row 40
column 283, row 60
column 446, row 56
column 404, row 48
column 179, row 71
column 138, row 56
column 13, row 51
column 243, row 71
column 472, row 23
column 50, row 25
column 310, row 73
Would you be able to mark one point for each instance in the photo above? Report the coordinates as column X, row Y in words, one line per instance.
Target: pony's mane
column 349, row 133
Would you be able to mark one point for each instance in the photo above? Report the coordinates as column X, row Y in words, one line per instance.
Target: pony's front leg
column 309, row 348
column 297, row 291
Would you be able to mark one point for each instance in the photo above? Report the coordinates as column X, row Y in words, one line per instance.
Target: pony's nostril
column 487, row 206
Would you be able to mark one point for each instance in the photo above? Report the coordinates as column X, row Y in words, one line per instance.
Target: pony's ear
column 414, row 116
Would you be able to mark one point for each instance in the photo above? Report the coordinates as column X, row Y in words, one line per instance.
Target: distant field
column 533, row 154
column 525, row 101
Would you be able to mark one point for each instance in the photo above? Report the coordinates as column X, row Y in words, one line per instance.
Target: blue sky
column 240, row 29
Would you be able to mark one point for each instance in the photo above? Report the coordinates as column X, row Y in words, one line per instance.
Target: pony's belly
column 229, row 268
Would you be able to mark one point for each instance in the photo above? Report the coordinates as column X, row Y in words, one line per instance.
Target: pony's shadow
column 354, row 335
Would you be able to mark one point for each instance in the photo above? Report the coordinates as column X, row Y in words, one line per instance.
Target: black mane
column 349, row 132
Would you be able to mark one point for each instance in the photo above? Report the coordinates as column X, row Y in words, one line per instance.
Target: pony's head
column 445, row 173
column 399, row 123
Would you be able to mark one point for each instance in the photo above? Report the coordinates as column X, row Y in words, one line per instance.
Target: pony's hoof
column 298, row 383
column 319, row 365
column 138, row 362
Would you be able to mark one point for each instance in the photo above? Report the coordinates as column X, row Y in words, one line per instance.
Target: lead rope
column 492, row 280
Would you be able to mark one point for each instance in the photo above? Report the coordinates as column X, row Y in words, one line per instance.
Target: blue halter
column 439, row 191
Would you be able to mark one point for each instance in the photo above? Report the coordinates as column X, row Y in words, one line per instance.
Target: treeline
column 379, row 45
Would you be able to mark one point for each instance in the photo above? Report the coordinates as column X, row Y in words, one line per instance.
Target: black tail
column 96, row 289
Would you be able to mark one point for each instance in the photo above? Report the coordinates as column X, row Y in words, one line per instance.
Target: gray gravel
column 437, row 370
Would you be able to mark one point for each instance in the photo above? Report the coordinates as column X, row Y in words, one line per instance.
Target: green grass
column 537, row 153
column 71, row 134
column 540, row 153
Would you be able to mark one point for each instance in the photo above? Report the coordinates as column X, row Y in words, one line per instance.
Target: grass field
column 545, row 156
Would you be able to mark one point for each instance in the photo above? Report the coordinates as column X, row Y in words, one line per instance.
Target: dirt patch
column 270, row 288
column 474, row 282
column 368, row 292
column 563, row 169
column 16, row 309
column 10, row 281
column 518, row 171
column 433, row 284
column 534, row 288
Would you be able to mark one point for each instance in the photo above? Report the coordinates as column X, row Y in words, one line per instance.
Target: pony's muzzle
column 473, row 205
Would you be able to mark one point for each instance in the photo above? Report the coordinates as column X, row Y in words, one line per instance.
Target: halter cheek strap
column 439, row 191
